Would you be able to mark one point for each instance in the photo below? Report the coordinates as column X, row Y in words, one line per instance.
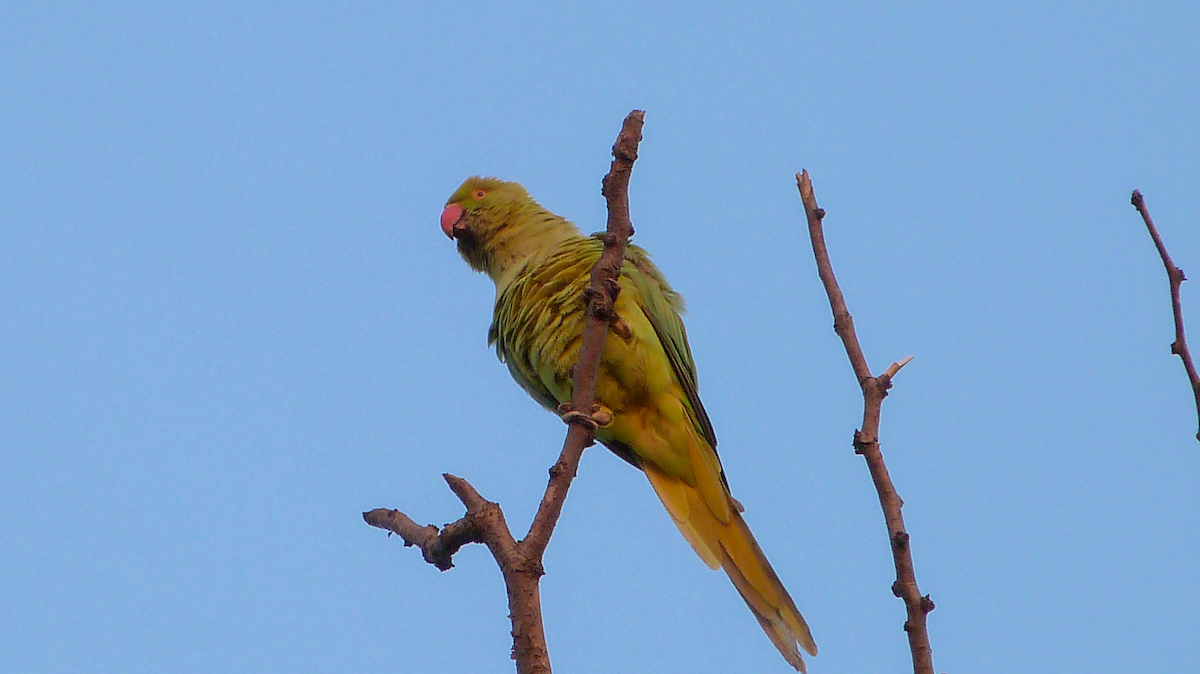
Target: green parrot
column 649, row 411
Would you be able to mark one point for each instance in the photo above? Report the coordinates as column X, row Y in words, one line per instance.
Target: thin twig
column 866, row 440
column 1179, row 347
column 437, row 546
column 602, row 293
column 520, row 562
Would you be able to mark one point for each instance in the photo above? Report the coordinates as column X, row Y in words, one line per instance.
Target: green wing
column 662, row 307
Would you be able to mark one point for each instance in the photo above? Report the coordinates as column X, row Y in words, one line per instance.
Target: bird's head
column 477, row 211
column 496, row 223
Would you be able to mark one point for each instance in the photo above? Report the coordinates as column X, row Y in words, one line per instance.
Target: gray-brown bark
column 1175, row 275
column 866, row 440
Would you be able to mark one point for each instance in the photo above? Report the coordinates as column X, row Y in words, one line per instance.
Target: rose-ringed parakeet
column 649, row 409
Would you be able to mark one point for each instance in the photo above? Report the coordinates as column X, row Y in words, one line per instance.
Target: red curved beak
column 451, row 215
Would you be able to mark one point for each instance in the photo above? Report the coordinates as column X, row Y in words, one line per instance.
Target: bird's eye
column 479, row 194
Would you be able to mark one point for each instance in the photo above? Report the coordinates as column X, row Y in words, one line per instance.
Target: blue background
column 229, row 323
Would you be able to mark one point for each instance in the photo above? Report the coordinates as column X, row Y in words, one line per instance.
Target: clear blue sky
column 229, row 323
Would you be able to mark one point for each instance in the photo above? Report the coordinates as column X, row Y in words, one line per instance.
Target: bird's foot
column 619, row 327
column 601, row 416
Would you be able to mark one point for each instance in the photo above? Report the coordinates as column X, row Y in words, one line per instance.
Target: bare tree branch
column 866, row 440
column 1179, row 347
column 437, row 546
column 520, row 562
column 601, row 294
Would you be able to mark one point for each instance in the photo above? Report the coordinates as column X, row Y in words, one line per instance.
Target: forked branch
column 520, row 562
column 1175, row 275
column 866, row 439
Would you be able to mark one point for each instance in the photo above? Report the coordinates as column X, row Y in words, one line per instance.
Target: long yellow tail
column 723, row 540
